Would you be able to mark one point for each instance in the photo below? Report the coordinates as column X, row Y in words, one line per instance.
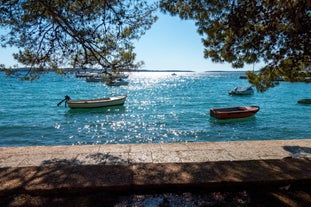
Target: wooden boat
column 234, row 112
column 242, row 91
column 96, row 103
column 304, row 101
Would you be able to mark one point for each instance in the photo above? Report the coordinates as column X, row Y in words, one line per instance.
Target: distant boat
column 304, row 101
column 94, row 103
column 85, row 74
column 114, row 76
column 94, row 79
column 234, row 112
column 118, row 82
column 242, row 91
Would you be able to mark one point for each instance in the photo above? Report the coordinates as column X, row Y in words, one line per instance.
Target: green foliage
column 248, row 31
column 86, row 33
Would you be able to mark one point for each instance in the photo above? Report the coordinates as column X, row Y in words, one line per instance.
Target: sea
column 160, row 108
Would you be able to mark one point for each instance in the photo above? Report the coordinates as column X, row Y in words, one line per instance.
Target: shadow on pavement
column 61, row 182
column 298, row 151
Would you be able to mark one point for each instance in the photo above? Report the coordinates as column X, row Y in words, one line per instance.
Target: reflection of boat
column 304, row 101
column 242, row 91
column 95, row 103
column 234, row 112
column 101, row 110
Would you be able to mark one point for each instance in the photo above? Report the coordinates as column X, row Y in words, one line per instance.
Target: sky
column 174, row 44
column 170, row 44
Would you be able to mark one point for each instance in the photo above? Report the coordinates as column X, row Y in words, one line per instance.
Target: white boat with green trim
column 94, row 103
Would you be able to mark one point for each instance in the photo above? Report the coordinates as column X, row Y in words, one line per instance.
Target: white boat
column 95, row 103
column 118, row 82
column 242, row 91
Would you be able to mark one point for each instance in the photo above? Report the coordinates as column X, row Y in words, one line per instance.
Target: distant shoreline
column 135, row 70
column 190, row 71
column 171, row 71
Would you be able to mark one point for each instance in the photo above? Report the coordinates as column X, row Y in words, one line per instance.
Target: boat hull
column 242, row 91
column 234, row 112
column 118, row 83
column 97, row 103
column 94, row 79
column 304, row 101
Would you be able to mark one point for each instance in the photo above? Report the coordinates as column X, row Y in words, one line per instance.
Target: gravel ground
column 259, row 198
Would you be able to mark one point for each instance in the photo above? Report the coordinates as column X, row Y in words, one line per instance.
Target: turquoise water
column 159, row 108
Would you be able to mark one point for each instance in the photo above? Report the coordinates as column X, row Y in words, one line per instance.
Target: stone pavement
column 57, row 169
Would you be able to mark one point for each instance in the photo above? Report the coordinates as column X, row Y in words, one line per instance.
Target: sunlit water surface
column 159, row 108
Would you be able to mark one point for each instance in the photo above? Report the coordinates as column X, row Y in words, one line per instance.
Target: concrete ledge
column 152, row 153
column 156, row 177
column 122, row 168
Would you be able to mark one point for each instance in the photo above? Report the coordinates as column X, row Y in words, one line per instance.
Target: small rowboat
column 95, row 103
column 242, row 91
column 234, row 112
